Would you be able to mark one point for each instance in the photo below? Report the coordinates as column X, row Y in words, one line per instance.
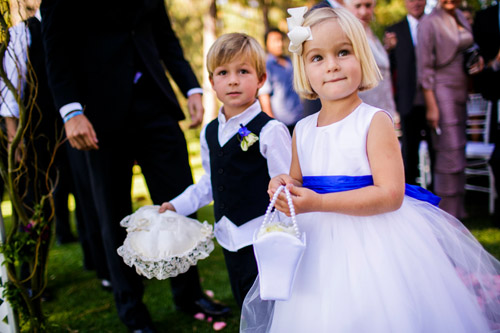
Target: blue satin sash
column 331, row 184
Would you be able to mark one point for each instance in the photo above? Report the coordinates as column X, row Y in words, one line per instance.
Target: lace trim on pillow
column 164, row 268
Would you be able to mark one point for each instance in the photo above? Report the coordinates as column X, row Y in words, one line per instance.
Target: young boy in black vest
column 241, row 150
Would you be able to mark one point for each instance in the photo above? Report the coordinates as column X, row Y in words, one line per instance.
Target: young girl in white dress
column 380, row 256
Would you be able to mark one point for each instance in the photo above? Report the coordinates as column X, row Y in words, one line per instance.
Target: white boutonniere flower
column 246, row 138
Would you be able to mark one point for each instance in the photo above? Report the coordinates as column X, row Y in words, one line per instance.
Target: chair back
column 478, row 118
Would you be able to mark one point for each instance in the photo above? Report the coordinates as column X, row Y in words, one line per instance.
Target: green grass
column 79, row 304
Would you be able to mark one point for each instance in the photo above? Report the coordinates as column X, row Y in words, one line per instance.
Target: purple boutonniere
column 246, row 138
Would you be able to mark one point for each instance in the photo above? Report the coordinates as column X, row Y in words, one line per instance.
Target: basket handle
column 270, row 213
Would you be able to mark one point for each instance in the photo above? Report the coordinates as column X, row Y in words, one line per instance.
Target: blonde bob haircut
column 370, row 74
column 236, row 45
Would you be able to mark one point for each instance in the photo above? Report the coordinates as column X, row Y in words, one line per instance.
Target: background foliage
column 248, row 16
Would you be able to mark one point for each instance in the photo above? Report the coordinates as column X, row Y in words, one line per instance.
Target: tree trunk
column 209, row 36
column 264, row 4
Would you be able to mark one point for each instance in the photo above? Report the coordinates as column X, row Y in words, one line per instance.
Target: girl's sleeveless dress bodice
column 336, row 149
column 416, row 269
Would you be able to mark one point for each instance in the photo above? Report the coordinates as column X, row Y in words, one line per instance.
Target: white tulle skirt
column 417, row 269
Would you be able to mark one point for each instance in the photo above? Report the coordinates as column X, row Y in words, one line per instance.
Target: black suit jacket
column 487, row 36
column 44, row 114
column 95, row 48
column 403, row 67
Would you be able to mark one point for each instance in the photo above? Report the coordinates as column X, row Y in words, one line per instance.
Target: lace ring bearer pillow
column 164, row 245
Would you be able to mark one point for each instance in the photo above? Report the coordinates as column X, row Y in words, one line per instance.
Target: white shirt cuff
column 183, row 207
column 9, row 109
column 194, row 91
column 70, row 107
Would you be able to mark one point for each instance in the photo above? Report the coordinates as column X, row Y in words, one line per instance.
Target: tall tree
column 209, row 36
column 264, row 5
column 28, row 236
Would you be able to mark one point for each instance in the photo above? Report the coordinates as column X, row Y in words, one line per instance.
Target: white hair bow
column 298, row 34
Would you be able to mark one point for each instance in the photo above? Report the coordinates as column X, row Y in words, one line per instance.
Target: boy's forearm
column 194, row 197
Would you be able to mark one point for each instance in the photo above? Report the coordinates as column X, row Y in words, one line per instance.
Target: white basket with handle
column 278, row 248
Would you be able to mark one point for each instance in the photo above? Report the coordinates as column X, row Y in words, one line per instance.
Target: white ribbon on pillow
column 298, row 34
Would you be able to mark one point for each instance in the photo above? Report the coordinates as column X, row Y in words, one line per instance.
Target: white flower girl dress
column 417, row 269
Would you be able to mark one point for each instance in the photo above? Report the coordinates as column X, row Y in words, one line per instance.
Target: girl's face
column 449, row 5
column 331, row 67
column 362, row 9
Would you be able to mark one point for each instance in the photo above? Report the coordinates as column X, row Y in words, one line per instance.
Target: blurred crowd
column 430, row 64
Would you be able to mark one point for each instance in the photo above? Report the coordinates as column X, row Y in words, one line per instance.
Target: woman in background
column 382, row 95
column 443, row 36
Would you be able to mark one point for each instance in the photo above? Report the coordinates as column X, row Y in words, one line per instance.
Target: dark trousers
column 154, row 140
column 414, row 128
column 63, row 188
column 89, row 231
column 242, row 270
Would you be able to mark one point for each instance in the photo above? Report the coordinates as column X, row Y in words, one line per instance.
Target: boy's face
column 236, row 84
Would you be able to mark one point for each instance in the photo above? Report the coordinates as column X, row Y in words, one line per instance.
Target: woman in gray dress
column 443, row 35
column 380, row 96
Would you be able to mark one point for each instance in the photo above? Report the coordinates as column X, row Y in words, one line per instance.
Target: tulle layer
column 414, row 270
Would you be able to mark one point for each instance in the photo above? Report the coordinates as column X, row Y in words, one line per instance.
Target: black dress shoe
column 206, row 306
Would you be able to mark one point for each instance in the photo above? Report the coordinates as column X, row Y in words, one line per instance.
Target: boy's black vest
column 239, row 178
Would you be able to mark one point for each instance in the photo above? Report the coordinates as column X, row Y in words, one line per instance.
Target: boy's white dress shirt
column 274, row 143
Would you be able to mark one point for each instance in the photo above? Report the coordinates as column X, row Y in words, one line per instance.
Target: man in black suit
column 401, row 40
column 110, row 57
column 486, row 31
column 43, row 134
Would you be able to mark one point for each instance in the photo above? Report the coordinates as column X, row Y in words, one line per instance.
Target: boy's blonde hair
column 370, row 74
column 236, row 45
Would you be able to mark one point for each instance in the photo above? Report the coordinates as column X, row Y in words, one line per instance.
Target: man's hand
column 494, row 63
column 11, row 127
column 195, row 107
column 477, row 67
column 80, row 133
column 390, row 41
